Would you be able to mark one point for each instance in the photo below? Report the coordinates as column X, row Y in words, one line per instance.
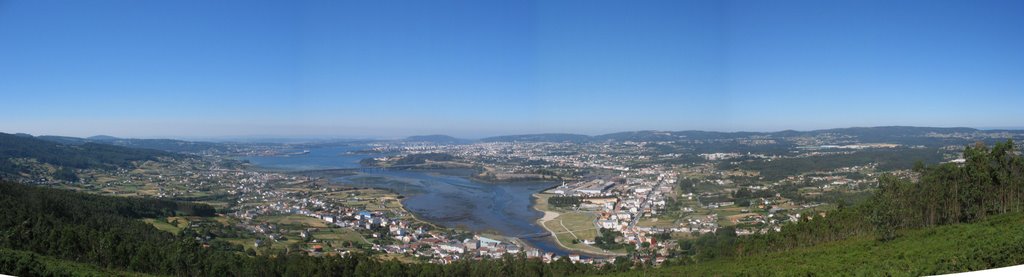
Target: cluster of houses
column 699, row 224
column 401, row 236
column 439, row 247
column 622, row 203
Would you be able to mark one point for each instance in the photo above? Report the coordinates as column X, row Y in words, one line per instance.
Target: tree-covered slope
column 23, row 263
column 887, row 159
column 81, row 156
column 994, row 242
column 97, row 230
column 169, row 145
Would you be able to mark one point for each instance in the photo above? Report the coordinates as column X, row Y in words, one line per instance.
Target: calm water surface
column 444, row 197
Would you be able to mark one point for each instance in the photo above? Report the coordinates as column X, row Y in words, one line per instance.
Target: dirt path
column 567, row 230
column 549, row 216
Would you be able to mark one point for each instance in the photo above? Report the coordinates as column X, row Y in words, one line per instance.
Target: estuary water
column 443, row 197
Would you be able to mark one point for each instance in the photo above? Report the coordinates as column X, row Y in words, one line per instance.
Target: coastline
column 548, row 216
column 329, row 175
column 445, row 172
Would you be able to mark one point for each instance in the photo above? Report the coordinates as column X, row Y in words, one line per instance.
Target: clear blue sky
column 477, row 68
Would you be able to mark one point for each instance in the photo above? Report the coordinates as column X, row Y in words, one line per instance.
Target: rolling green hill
column 67, row 156
column 994, row 242
column 169, row 145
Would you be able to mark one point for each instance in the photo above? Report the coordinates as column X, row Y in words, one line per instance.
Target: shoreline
column 329, row 174
column 415, row 217
column 550, row 216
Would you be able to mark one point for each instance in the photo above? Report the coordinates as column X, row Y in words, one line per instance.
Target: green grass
column 294, row 221
column 582, row 226
column 162, row 225
column 339, row 234
column 995, row 242
column 399, row 257
column 369, row 199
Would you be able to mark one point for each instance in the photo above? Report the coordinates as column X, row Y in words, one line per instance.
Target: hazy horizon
column 327, row 137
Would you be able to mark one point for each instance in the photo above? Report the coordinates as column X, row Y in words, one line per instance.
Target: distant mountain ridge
column 864, row 133
column 170, row 145
column 442, row 139
column 102, row 137
column 552, row 137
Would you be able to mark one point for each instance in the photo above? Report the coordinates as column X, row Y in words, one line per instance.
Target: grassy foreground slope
column 995, row 242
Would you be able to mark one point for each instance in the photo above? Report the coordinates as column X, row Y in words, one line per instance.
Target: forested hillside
column 24, row 263
column 886, row 159
column 67, row 156
column 93, row 229
column 169, row 145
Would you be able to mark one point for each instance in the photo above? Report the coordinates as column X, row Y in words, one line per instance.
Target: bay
column 444, row 197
